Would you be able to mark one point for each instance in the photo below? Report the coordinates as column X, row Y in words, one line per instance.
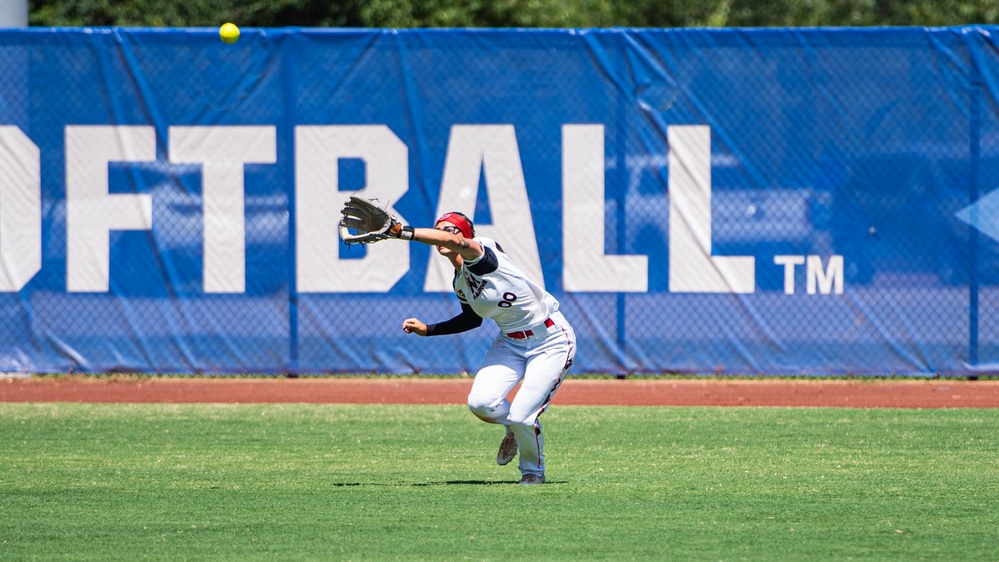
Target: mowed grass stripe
column 390, row 482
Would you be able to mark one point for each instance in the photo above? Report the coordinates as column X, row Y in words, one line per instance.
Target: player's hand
column 414, row 326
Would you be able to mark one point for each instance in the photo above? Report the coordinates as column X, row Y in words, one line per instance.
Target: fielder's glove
column 363, row 222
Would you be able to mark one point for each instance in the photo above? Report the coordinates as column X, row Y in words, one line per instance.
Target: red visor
column 459, row 221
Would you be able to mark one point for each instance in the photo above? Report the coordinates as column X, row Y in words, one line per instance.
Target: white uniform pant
column 541, row 361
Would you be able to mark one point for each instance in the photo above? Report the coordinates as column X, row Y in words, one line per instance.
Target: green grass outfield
column 367, row 482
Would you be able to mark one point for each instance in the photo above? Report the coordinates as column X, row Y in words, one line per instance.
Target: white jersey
column 504, row 294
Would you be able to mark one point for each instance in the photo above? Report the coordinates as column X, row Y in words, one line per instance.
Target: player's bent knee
column 486, row 408
column 479, row 411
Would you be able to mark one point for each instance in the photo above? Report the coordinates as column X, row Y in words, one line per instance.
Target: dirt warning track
column 582, row 391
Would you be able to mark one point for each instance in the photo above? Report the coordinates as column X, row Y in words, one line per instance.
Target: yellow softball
column 229, row 33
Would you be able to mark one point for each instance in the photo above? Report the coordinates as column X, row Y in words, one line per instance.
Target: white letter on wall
column 91, row 212
column 471, row 149
column 826, row 281
column 20, row 209
column 586, row 267
column 692, row 268
column 789, row 262
column 318, row 202
column 222, row 152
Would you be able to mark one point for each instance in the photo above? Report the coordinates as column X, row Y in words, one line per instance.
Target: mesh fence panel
column 850, row 173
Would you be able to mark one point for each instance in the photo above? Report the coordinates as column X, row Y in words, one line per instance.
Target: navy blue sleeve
column 467, row 320
column 488, row 263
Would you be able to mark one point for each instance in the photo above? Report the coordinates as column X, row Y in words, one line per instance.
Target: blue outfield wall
column 777, row 201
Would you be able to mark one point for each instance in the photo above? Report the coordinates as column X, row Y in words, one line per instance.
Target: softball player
column 535, row 345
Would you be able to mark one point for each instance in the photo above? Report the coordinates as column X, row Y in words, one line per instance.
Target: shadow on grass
column 469, row 482
column 443, row 483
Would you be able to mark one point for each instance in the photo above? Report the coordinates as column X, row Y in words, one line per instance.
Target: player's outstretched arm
column 466, row 320
column 469, row 250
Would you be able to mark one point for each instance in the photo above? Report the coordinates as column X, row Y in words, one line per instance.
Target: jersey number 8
column 508, row 300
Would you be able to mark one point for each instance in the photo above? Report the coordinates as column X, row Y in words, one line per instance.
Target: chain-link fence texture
column 733, row 201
